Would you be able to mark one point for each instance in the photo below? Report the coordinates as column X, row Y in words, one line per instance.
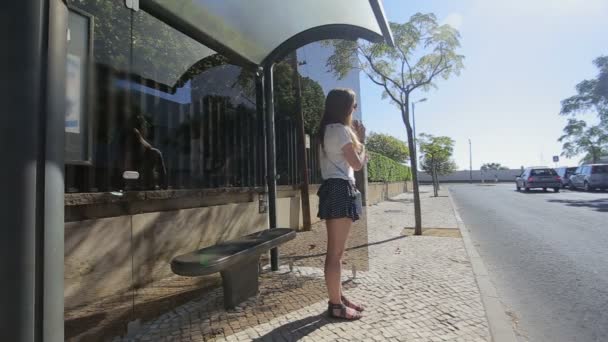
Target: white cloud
column 454, row 19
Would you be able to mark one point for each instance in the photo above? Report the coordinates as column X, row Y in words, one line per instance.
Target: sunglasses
column 355, row 106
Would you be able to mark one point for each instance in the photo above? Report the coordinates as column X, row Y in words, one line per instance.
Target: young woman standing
column 342, row 153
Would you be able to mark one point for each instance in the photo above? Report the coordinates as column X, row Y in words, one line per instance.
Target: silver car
column 565, row 173
column 590, row 177
column 539, row 178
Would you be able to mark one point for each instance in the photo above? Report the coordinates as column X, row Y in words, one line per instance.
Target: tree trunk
column 435, row 181
column 595, row 155
column 414, row 161
column 438, row 184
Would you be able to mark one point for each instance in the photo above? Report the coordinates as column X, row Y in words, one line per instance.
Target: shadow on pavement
column 404, row 200
column 300, row 257
column 535, row 192
column 294, row 331
column 600, row 205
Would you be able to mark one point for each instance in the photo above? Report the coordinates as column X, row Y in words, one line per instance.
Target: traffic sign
column 555, row 159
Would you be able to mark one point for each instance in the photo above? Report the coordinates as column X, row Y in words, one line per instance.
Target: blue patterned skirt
column 337, row 199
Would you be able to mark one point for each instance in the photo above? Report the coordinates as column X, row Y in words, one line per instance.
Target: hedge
column 383, row 169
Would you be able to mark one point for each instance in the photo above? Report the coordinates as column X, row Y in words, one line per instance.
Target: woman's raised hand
column 359, row 130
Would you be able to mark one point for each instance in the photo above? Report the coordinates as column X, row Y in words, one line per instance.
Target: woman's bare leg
column 337, row 233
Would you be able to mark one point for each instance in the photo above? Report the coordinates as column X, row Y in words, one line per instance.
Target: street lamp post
column 470, row 161
column 414, row 123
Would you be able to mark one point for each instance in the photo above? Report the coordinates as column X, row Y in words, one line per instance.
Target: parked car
column 565, row 173
column 539, row 178
column 590, row 177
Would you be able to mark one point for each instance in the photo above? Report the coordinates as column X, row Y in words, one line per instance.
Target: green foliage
column 493, row 167
column 437, row 154
column 590, row 157
column 592, row 94
column 578, row 138
column 157, row 50
column 388, row 146
column 444, row 167
column 424, row 50
column 313, row 97
column 384, row 169
column 313, row 104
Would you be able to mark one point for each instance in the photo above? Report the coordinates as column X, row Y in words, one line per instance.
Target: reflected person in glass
column 146, row 159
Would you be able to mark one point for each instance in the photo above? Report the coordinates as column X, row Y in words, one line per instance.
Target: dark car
column 539, row 178
column 565, row 173
column 590, row 177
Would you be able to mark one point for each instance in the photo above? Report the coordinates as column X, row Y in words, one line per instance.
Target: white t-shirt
column 333, row 163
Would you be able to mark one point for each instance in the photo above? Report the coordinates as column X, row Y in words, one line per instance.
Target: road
column 547, row 254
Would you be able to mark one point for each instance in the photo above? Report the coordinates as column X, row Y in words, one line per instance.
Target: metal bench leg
column 240, row 282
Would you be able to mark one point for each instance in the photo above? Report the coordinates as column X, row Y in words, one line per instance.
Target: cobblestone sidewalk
column 416, row 288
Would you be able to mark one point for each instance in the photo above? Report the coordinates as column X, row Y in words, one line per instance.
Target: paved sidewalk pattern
column 415, row 289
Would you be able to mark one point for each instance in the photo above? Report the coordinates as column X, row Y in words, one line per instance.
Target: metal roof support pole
column 20, row 318
column 301, row 146
column 54, row 166
column 271, row 168
column 31, row 145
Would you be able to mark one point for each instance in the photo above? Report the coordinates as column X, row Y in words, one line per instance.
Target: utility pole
column 303, row 160
column 470, row 162
column 414, row 123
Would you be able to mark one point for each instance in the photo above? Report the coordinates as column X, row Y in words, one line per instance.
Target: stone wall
column 378, row 192
column 118, row 249
column 477, row 176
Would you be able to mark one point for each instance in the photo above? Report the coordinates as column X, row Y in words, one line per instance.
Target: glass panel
column 255, row 28
column 77, row 77
column 193, row 117
column 544, row 172
column 98, row 290
column 163, row 55
column 315, row 83
column 105, row 103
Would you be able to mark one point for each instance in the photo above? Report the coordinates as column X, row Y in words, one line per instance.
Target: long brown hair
column 338, row 109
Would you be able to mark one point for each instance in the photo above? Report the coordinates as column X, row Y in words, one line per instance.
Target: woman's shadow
column 294, row 331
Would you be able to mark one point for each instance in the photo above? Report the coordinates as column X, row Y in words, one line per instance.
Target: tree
column 388, row 146
column 493, row 167
column 313, row 97
column 578, row 139
column 437, row 154
column 588, row 158
column 592, row 94
column 423, row 52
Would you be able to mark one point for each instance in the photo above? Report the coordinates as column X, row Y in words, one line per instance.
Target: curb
column 501, row 328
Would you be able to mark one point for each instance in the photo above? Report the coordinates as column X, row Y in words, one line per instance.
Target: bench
column 236, row 260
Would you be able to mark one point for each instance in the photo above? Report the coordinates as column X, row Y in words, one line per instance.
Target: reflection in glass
column 180, row 114
column 111, row 47
column 76, row 125
column 202, row 120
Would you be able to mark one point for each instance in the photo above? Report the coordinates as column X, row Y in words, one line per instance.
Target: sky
column 522, row 58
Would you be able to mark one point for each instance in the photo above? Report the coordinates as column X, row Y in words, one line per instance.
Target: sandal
column 341, row 311
column 359, row 308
